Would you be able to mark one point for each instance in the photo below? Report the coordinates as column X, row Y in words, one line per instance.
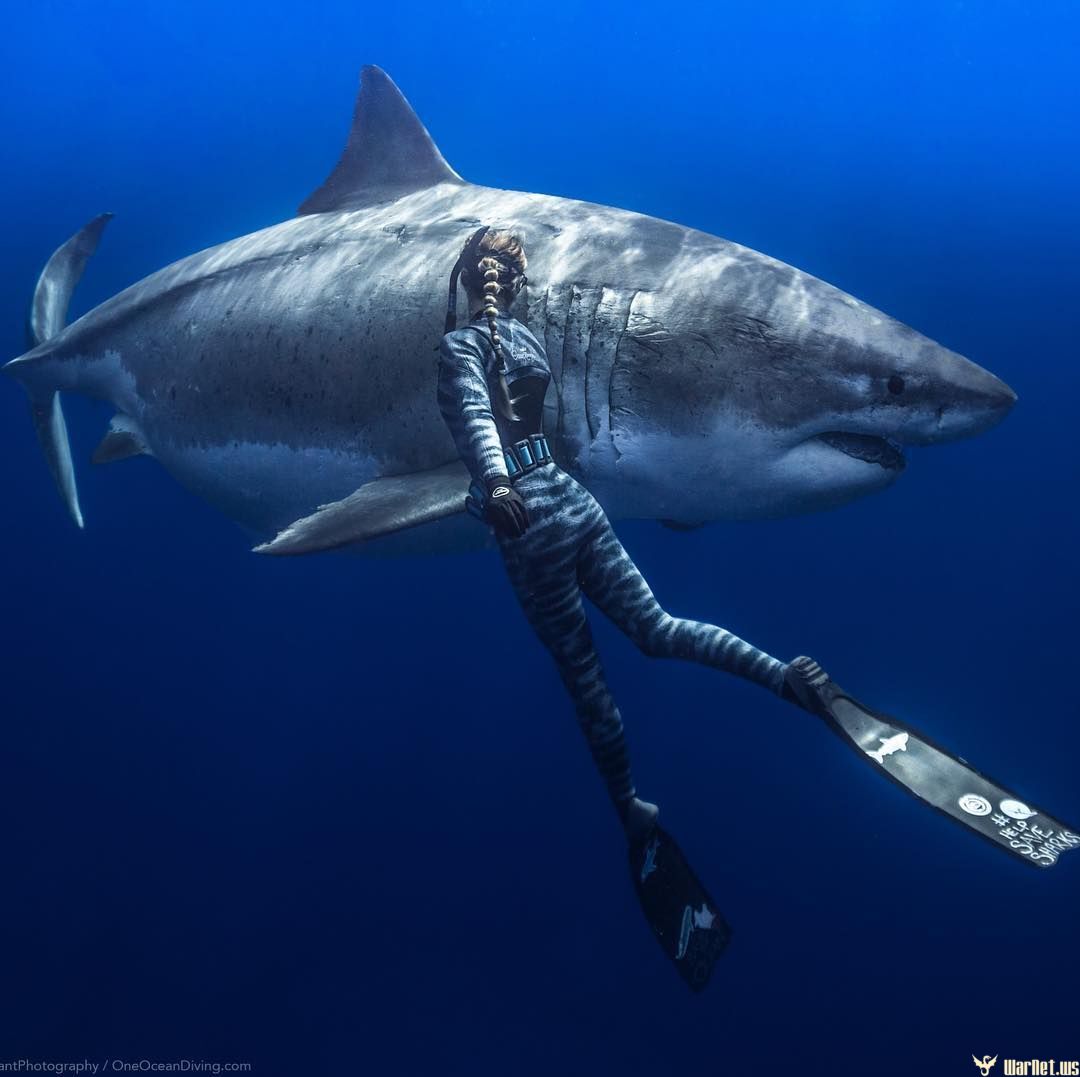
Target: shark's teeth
column 867, row 447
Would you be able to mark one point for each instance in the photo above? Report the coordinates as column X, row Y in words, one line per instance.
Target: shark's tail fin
column 48, row 313
column 52, row 433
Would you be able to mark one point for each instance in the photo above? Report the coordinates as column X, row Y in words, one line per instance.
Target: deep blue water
column 253, row 811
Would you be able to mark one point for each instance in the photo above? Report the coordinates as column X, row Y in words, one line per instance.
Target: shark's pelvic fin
column 122, row 441
column 380, row 507
column 48, row 314
column 389, row 152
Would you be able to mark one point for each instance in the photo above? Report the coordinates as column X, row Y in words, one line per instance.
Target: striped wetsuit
column 569, row 547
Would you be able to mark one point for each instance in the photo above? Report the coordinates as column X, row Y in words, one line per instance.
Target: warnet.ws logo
column 1028, row 1067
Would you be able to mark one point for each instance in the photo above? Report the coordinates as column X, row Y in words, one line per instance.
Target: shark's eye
column 896, row 385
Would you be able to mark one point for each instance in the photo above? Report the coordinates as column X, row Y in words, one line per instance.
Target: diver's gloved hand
column 505, row 510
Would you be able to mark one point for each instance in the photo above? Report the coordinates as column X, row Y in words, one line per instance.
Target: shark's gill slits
column 873, row 450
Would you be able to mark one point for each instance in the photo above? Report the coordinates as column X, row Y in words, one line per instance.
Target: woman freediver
column 558, row 544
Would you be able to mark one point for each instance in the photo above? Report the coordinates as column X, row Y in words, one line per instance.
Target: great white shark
column 288, row 376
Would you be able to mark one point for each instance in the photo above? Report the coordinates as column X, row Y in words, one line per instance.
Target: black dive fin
column 380, row 507
column 684, row 918
column 940, row 779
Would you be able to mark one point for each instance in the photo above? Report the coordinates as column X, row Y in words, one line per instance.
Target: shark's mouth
column 866, row 447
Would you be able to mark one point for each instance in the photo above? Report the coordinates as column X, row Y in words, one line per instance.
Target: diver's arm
column 466, row 409
column 465, row 404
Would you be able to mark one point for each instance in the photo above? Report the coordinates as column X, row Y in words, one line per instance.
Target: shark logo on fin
column 704, row 917
column 700, row 919
column 889, row 746
column 649, row 864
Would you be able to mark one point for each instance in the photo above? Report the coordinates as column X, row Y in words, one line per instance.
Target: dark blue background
column 266, row 811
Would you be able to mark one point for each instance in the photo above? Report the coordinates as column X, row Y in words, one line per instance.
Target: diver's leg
column 542, row 573
column 612, row 581
column 546, row 587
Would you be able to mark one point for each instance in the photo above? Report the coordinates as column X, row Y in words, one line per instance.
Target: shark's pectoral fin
column 389, row 153
column 123, row 440
column 380, row 507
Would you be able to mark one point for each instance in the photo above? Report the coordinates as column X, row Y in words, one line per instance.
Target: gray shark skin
column 693, row 379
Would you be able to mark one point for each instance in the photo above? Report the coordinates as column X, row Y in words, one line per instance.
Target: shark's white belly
column 264, row 487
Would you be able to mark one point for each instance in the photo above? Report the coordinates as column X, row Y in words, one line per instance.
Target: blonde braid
column 490, row 268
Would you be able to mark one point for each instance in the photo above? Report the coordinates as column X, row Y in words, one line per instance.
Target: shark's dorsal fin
column 389, row 152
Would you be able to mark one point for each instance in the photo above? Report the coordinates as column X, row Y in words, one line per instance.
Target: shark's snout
column 904, row 391
column 986, row 399
column 974, row 401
